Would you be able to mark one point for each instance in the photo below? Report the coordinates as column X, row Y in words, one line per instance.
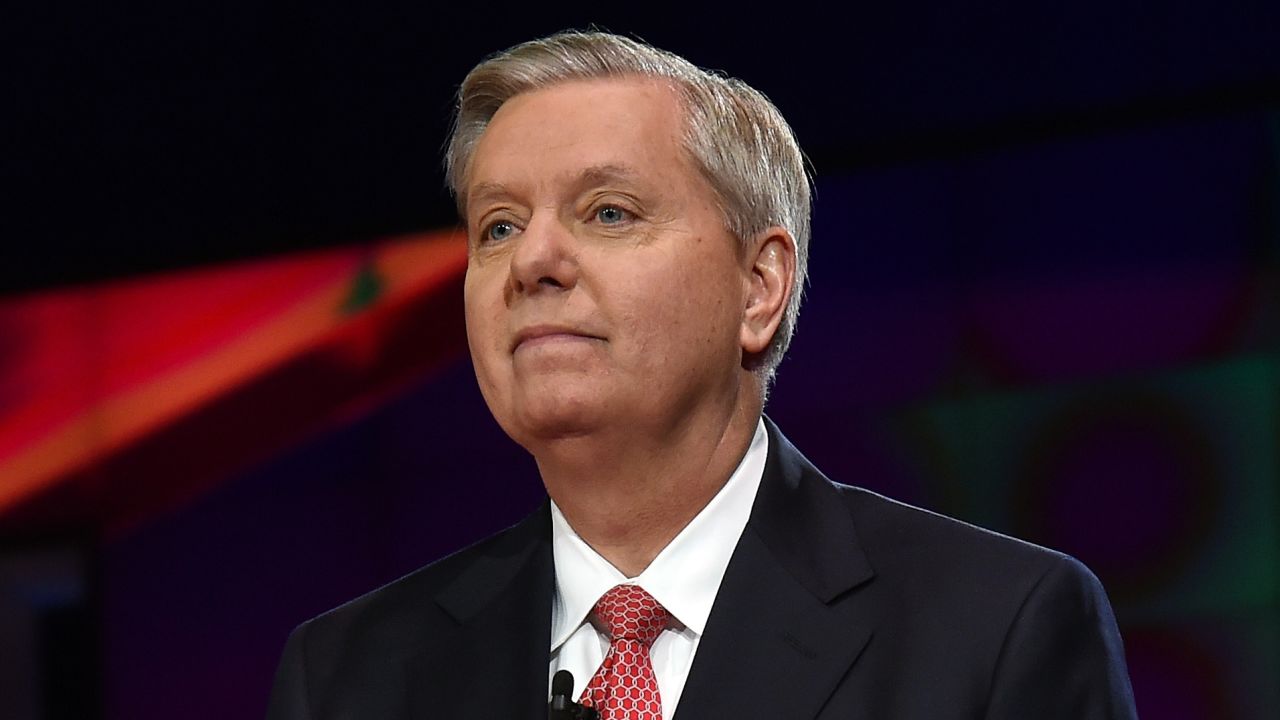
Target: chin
column 545, row 418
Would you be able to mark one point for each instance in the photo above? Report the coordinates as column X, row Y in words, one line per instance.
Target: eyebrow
column 590, row 177
column 607, row 174
column 486, row 191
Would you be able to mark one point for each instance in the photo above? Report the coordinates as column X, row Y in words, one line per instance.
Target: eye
column 498, row 231
column 612, row 215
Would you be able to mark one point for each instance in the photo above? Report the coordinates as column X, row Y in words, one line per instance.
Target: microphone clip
column 562, row 706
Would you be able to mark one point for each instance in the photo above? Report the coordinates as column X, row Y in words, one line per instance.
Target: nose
column 544, row 258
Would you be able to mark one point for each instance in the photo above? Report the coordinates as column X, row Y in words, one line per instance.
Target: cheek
column 484, row 322
column 704, row 293
column 678, row 313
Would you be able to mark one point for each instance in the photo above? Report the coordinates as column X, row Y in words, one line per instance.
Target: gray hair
column 736, row 137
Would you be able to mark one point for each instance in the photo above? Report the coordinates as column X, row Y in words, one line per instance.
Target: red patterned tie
column 624, row 687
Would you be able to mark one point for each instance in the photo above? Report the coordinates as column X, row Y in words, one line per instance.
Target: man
column 638, row 233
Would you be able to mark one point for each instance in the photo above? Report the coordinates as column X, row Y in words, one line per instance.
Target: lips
column 539, row 333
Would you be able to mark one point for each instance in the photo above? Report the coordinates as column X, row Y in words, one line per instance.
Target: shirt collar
column 684, row 577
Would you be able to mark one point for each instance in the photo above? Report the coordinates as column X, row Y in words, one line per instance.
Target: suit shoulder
column 358, row 652
column 412, row 598
column 907, row 541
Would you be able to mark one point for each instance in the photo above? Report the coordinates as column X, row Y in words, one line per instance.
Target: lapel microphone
column 562, row 706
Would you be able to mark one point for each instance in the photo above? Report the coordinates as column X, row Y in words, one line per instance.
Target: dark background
column 1045, row 298
column 146, row 135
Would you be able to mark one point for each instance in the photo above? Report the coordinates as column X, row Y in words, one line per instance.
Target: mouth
column 542, row 334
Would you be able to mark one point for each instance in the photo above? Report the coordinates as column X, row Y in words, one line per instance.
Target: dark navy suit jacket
column 837, row 603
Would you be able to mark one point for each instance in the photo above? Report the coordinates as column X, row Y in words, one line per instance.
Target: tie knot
column 630, row 613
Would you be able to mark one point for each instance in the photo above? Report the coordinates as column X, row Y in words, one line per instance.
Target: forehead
column 553, row 133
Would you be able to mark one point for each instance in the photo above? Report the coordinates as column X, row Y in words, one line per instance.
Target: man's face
column 602, row 288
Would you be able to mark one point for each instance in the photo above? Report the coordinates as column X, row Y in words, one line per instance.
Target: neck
column 628, row 494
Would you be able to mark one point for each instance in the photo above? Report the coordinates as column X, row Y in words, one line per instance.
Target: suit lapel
column 788, row 621
column 494, row 662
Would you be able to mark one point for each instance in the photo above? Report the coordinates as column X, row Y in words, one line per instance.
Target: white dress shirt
column 684, row 577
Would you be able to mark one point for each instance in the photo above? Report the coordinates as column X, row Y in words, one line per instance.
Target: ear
column 770, row 264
